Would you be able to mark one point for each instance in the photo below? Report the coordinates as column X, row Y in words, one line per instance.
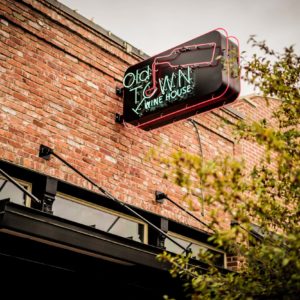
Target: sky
column 157, row 25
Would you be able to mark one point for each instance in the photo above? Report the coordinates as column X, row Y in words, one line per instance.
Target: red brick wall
column 57, row 87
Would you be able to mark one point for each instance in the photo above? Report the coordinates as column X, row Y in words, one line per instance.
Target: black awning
column 33, row 224
column 86, row 258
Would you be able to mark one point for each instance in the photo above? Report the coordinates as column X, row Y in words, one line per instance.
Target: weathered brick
column 58, row 85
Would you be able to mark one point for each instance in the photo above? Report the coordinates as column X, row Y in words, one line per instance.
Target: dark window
column 9, row 190
column 100, row 218
column 195, row 248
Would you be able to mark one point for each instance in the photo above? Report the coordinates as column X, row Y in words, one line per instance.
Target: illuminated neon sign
column 193, row 77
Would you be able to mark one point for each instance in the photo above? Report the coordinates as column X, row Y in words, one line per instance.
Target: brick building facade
column 58, row 78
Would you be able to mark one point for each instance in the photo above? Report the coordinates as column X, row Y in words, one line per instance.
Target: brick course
column 57, row 87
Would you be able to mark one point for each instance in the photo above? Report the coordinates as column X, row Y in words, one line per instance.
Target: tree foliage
column 267, row 195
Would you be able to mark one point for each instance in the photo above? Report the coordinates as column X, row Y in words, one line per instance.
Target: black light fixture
column 45, row 152
column 234, row 223
column 160, row 197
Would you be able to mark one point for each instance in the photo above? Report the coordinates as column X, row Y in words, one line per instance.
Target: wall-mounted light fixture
column 160, row 197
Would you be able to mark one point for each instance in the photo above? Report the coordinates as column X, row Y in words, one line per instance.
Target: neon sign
column 193, row 77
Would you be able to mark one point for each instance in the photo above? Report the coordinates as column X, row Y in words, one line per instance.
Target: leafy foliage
column 267, row 195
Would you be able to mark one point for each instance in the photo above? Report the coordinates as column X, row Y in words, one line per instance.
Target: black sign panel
column 193, row 77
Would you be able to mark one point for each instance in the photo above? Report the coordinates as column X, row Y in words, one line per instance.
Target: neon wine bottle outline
column 152, row 90
column 198, row 105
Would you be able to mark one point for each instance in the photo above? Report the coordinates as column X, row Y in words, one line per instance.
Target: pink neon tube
column 198, row 105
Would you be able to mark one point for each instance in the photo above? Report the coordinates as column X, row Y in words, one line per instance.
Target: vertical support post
column 164, row 226
column 49, row 195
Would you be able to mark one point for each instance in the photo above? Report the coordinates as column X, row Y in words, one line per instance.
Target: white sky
column 157, row 25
